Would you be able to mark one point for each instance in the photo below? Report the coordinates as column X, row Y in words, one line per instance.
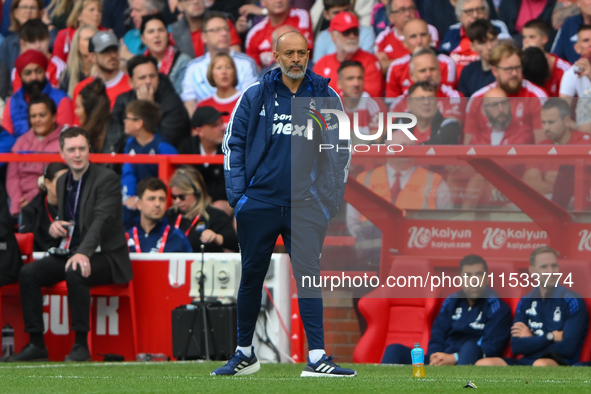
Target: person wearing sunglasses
column 193, row 213
column 345, row 34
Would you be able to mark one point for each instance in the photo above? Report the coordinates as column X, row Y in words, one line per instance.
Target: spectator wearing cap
column 323, row 43
column 35, row 35
column 152, row 233
column 141, row 120
column 207, row 134
column 147, row 84
column 216, row 36
column 21, row 177
column 104, row 50
column 32, row 66
column 187, row 31
column 389, row 43
column 171, row 61
column 278, row 13
column 476, row 75
column 456, row 43
column 222, row 75
column 345, row 34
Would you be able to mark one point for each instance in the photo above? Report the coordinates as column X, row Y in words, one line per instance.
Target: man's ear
column 139, row 204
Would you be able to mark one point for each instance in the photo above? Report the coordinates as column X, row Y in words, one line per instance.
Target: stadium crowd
column 159, row 77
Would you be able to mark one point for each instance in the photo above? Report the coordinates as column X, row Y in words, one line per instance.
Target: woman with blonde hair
column 222, row 75
column 193, row 213
column 20, row 12
column 79, row 60
column 85, row 12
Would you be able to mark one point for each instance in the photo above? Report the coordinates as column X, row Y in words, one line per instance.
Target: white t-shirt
column 573, row 85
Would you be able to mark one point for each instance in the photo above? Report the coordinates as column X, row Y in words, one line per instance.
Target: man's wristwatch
column 550, row 336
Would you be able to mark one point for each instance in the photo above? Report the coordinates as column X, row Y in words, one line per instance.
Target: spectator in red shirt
column 389, row 43
column 416, row 35
column 35, row 35
column 104, row 48
column 526, row 102
column 258, row 39
column 536, row 34
column 357, row 101
column 424, row 66
column 222, row 75
column 32, row 65
column 501, row 128
column 85, row 12
column 186, row 32
column 345, row 34
column 556, row 123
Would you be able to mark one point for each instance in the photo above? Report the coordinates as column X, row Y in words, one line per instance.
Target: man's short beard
column 510, row 90
column 287, row 70
column 496, row 123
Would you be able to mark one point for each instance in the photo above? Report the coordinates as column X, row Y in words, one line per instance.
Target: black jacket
column 174, row 126
column 35, row 219
column 213, row 175
column 219, row 222
column 100, row 219
column 10, row 255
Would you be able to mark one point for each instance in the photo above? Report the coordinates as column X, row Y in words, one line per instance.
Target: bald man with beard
column 280, row 184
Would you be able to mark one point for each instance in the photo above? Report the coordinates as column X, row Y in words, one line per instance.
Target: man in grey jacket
column 93, row 244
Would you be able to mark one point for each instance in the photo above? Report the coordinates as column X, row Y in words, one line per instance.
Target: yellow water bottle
column 418, row 364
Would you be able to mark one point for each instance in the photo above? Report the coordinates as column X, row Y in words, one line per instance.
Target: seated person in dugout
column 193, row 213
column 152, row 233
column 550, row 322
column 89, row 210
column 473, row 323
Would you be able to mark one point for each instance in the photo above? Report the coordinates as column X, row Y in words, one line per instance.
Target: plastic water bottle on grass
column 418, row 361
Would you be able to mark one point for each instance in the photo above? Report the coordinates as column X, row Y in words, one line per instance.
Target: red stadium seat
column 114, row 290
column 25, row 245
column 395, row 320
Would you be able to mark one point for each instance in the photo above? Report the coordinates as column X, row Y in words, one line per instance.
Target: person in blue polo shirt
column 550, row 322
column 152, row 233
column 566, row 38
column 472, row 323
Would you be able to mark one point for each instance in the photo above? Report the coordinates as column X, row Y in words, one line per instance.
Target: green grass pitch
column 193, row 377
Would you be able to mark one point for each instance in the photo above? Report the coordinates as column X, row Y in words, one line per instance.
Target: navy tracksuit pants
column 303, row 230
column 468, row 354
